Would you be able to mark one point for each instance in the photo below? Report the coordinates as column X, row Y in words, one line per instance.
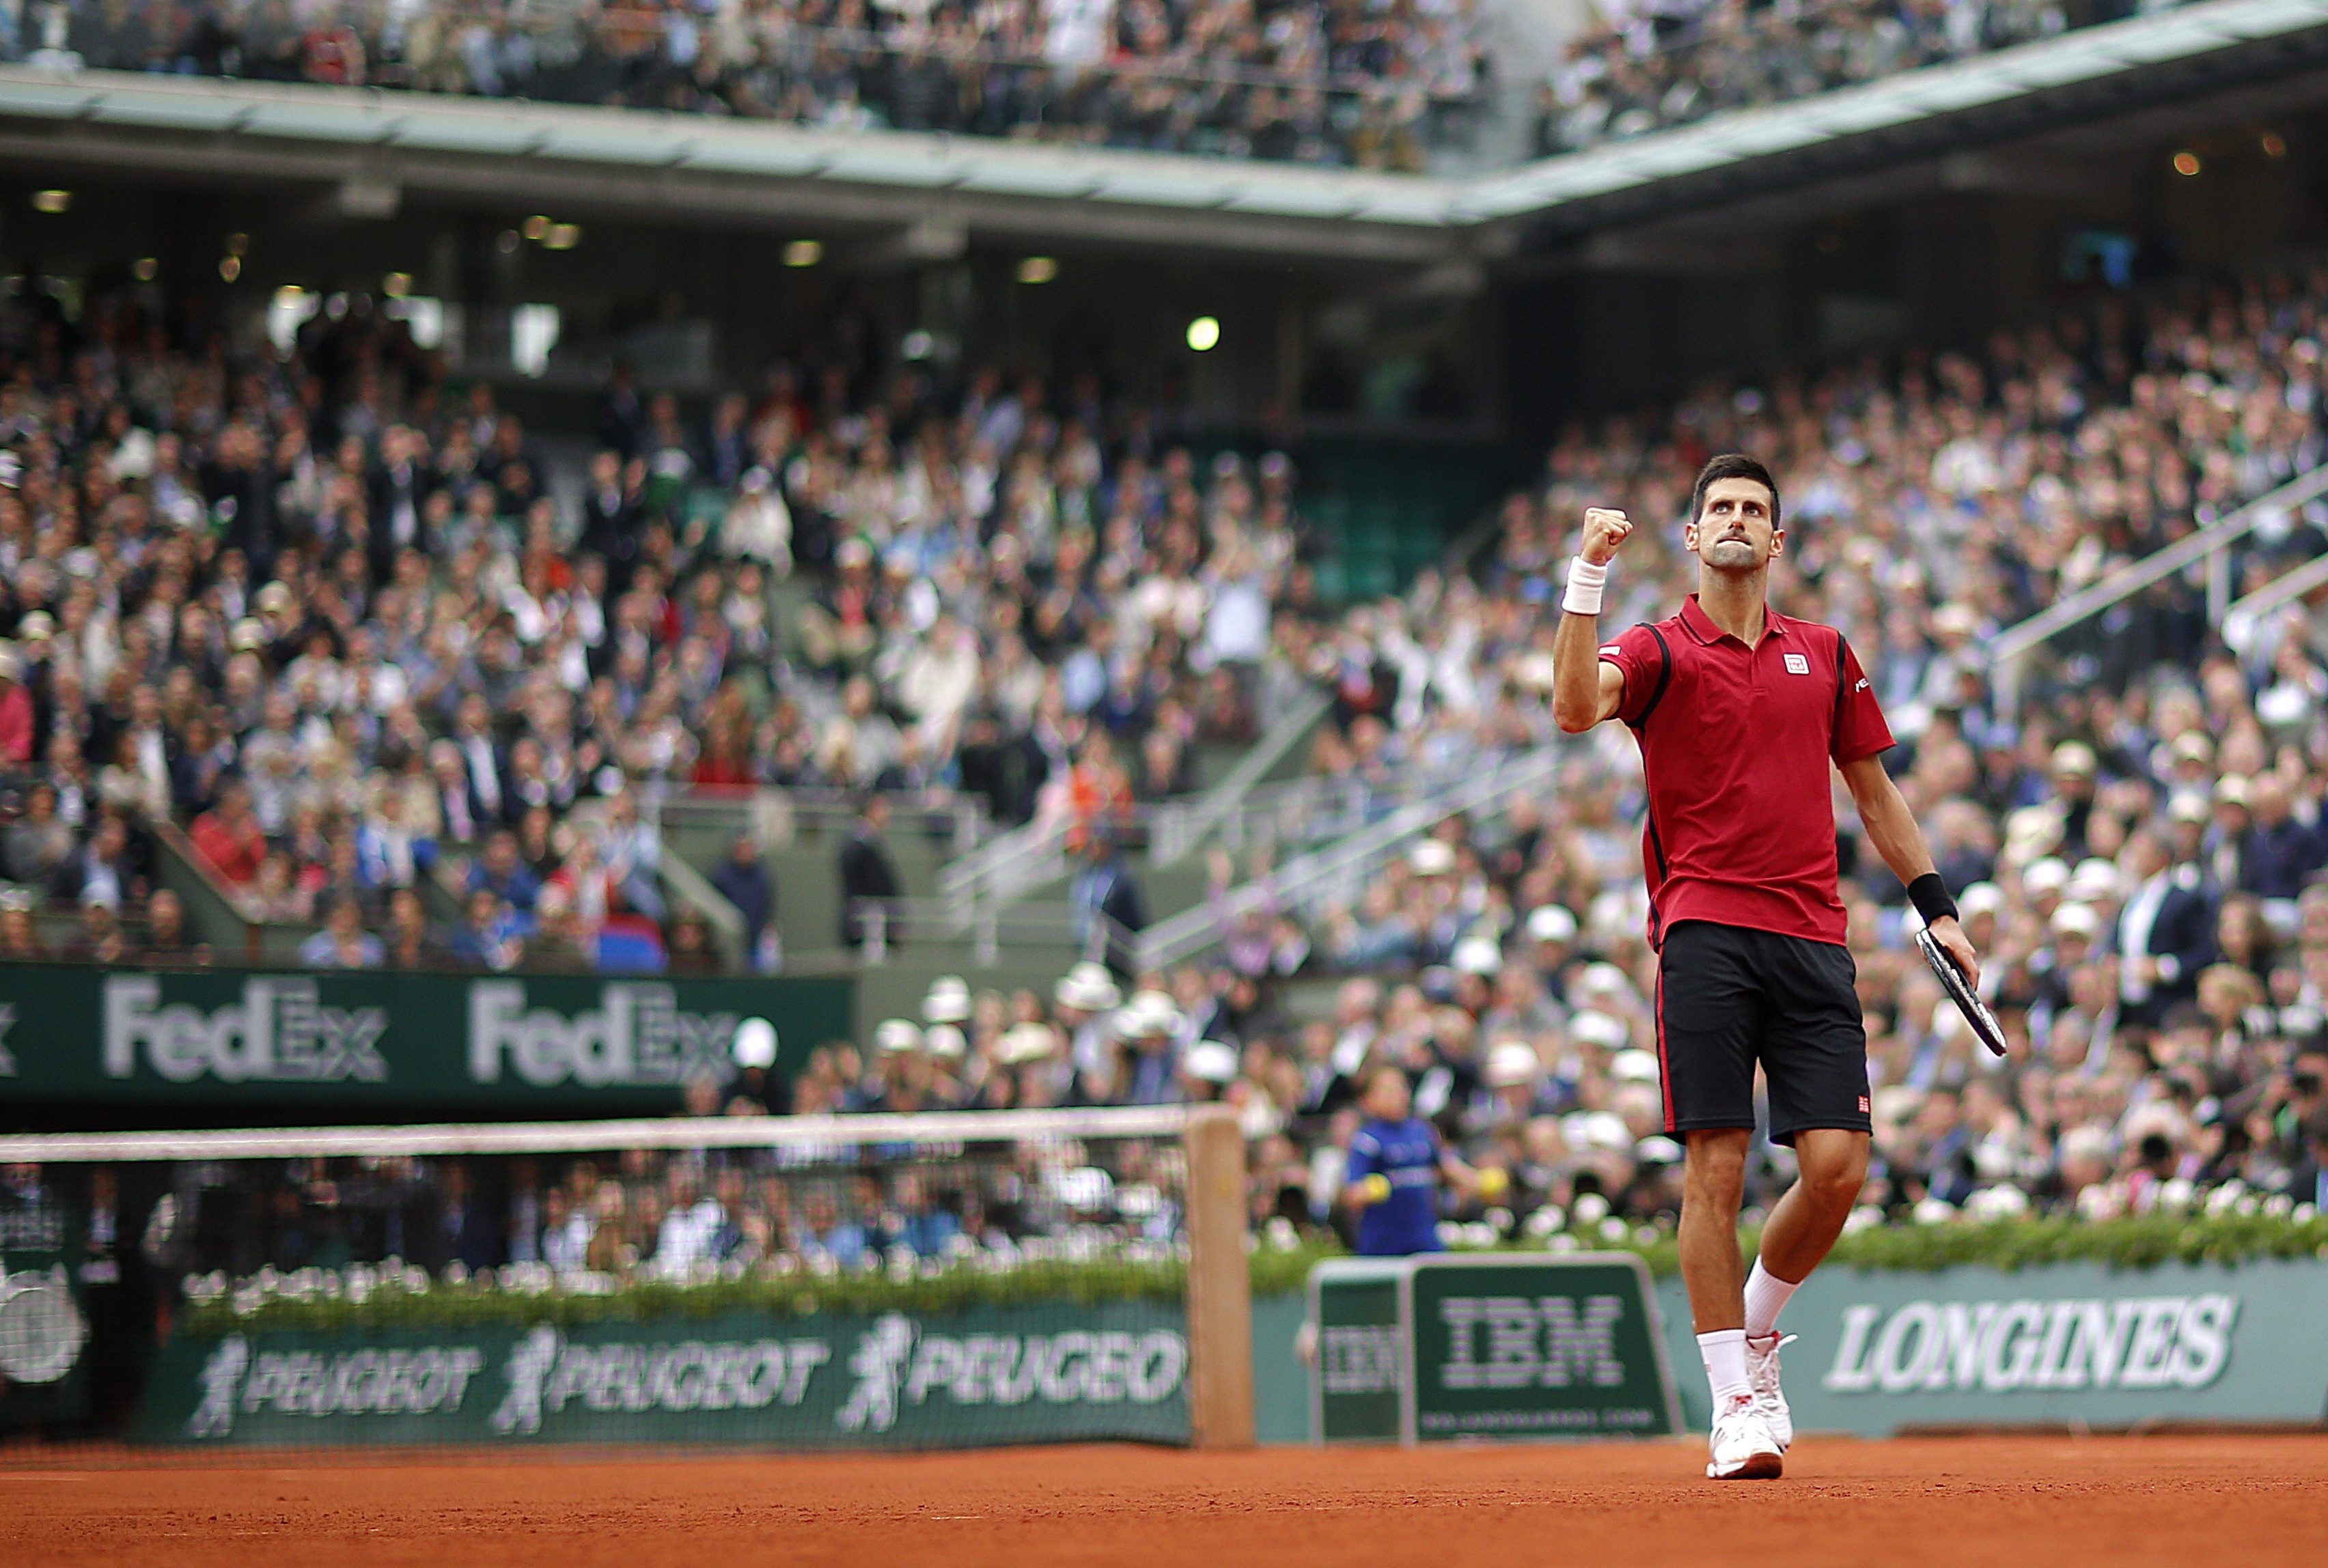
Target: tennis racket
column 1960, row 992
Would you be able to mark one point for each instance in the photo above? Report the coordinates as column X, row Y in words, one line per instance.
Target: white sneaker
column 1770, row 1400
column 1740, row 1446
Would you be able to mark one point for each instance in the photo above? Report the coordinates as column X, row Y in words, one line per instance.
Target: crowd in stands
column 1333, row 82
column 1318, row 82
column 310, row 657
column 1644, row 67
column 326, row 616
column 2139, row 849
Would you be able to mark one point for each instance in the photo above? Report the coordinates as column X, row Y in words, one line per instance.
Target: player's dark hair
column 1732, row 465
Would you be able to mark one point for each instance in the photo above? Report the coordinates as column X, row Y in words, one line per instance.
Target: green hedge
column 1274, row 1272
column 2137, row 1243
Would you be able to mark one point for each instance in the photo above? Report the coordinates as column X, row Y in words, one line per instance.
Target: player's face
column 1733, row 530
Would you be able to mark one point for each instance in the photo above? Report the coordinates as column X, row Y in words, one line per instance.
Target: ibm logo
column 1545, row 1342
column 1363, row 1359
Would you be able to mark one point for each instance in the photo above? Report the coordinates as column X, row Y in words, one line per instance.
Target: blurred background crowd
column 1649, row 65
column 328, row 618
column 1375, row 85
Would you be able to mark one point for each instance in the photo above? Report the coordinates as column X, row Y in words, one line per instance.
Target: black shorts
column 1728, row 997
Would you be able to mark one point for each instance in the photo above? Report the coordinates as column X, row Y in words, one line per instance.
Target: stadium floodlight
column 1038, row 269
column 803, row 253
column 1204, row 334
column 51, row 200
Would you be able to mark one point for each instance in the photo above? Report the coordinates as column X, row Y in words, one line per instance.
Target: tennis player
column 1739, row 712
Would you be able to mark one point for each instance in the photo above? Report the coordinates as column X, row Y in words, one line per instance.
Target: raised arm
column 1585, row 690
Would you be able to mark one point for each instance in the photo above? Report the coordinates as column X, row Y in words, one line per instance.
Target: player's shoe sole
column 1758, row 1466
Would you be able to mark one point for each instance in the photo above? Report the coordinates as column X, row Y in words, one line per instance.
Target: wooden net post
column 1220, row 1287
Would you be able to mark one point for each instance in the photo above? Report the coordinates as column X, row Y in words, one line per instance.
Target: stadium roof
column 655, row 162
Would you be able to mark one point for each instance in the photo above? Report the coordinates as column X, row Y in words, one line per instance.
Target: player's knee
column 1716, row 1165
column 1835, row 1182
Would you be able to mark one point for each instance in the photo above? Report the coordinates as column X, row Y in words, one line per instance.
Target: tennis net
column 908, row 1281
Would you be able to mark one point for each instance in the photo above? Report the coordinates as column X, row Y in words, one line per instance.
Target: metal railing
column 2243, row 618
column 988, row 927
column 1177, row 830
column 1342, row 868
column 1009, row 864
column 2210, row 544
column 774, row 816
column 691, row 888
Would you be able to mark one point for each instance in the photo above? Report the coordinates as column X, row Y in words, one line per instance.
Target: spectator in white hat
column 1085, row 994
column 1145, row 1027
column 1206, row 1070
column 948, row 1001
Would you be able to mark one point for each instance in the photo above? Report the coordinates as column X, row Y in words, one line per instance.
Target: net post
column 1220, row 1286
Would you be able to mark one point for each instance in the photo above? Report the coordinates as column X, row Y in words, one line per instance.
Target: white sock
column 1724, row 1353
column 1766, row 1298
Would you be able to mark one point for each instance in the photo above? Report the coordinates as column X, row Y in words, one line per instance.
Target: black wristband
column 1929, row 894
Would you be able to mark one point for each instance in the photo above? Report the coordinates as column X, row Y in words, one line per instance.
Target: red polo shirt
column 1736, row 748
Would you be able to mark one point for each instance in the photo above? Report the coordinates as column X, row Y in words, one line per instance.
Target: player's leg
column 1830, row 1167
column 1709, row 1017
column 1713, row 1185
column 1815, row 1060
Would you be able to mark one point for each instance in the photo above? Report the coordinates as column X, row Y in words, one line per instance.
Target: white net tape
column 790, row 1133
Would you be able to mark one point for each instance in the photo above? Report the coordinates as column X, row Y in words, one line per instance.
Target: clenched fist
column 1605, row 530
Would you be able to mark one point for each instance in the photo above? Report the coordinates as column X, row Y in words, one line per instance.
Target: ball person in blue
column 1396, row 1163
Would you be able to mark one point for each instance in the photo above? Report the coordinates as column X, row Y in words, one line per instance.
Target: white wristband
column 1585, row 583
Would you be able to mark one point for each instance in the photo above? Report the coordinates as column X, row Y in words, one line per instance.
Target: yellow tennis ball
column 1375, row 1189
column 1493, row 1183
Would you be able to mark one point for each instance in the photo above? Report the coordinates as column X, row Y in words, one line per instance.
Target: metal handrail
column 2015, row 644
column 964, row 816
column 987, row 925
column 1338, row 867
column 691, row 888
column 1176, row 831
column 1009, row 863
column 2240, row 620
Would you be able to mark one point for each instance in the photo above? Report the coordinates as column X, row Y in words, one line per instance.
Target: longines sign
column 395, row 1041
column 2061, row 1344
column 2026, row 1347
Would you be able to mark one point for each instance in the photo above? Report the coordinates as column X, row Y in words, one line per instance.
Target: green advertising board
column 1877, row 1353
column 356, row 1043
column 1358, row 1392
column 1479, row 1347
column 1047, row 1372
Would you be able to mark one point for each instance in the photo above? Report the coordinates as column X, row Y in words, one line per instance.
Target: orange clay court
column 2056, row 1502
